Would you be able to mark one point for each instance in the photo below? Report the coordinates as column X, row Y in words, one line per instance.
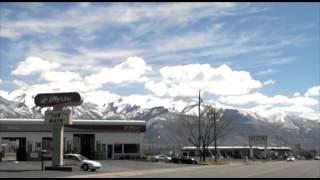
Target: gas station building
column 23, row 139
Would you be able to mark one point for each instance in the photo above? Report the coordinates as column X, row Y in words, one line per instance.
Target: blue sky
column 165, row 50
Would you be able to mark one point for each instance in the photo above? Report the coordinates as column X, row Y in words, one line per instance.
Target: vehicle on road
column 317, row 158
column 81, row 161
column 291, row 158
column 184, row 159
column 161, row 158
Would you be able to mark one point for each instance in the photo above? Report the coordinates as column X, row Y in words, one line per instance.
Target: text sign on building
column 62, row 99
column 58, row 117
column 258, row 140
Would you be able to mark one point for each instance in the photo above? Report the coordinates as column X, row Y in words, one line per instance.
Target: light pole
column 199, row 137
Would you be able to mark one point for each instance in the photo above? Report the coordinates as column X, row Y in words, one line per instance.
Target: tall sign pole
column 57, row 118
column 57, row 137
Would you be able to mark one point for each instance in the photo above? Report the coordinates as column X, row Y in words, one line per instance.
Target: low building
column 23, row 139
column 240, row 151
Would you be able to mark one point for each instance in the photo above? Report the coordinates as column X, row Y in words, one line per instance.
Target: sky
column 262, row 57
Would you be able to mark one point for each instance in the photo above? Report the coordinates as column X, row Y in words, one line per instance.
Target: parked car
column 317, row 158
column 161, row 158
column 291, row 158
column 184, row 159
column 81, row 161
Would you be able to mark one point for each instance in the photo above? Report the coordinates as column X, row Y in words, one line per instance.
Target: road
column 136, row 169
column 282, row 169
column 274, row 169
column 32, row 169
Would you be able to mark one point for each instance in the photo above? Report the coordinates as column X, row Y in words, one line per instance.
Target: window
column 118, row 148
column 131, row 148
column 74, row 158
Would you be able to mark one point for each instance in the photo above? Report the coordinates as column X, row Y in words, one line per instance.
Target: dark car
column 184, row 159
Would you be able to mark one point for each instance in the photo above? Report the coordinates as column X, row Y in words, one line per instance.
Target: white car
column 160, row 158
column 291, row 158
column 79, row 160
column 317, row 158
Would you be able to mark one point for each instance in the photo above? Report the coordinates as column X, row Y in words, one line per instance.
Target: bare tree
column 212, row 125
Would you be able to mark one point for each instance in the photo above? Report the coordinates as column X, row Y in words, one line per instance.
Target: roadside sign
column 61, row 117
column 258, row 140
column 62, row 99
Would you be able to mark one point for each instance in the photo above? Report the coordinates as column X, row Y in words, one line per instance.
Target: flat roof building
column 241, row 151
column 23, row 139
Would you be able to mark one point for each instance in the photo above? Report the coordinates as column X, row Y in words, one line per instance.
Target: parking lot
column 29, row 169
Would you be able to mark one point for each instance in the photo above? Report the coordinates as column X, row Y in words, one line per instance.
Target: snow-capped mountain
column 289, row 129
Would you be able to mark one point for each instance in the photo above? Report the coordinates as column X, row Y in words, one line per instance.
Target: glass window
column 74, row 158
column 131, row 148
column 118, row 148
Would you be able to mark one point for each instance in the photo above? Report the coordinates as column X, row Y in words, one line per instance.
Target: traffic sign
column 62, row 99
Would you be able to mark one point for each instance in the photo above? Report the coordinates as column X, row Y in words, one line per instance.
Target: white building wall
column 102, row 137
column 118, row 138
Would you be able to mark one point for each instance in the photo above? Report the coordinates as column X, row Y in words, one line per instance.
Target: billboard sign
column 61, row 99
column 258, row 140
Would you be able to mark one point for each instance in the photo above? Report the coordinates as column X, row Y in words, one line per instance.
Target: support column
column 57, row 138
column 251, row 152
column 265, row 151
column 57, row 153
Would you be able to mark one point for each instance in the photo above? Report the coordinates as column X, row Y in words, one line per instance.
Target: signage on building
column 62, row 117
column 62, row 99
column 258, row 140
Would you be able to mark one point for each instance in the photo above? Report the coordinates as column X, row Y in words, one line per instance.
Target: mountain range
column 282, row 129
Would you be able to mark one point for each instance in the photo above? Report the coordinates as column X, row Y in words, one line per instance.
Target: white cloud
column 149, row 101
column 84, row 4
column 99, row 97
column 296, row 94
column 0, row 81
column 267, row 71
column 132, row 70
column 188, row 79
column 20, row 83
column 55, row 76
column 261, row 99
column 95, row 54
column 34, row 64
column 314, row 91
column 269, row 82
column 87, row 19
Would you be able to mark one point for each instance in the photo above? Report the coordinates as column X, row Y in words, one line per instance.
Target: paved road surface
column 281, row 169
column 136, row 169
column 273, row 169
column 32, row 169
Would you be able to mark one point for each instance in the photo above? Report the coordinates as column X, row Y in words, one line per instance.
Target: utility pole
column 215, row 136
column 199, row 138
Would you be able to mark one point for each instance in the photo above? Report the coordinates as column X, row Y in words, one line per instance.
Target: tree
column 212, row 125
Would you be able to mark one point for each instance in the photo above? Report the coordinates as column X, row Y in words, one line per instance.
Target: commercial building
column 23, row 139
column 241, row 151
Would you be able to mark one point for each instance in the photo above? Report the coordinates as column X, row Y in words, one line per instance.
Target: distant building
column 23, row 139
column 239, row 151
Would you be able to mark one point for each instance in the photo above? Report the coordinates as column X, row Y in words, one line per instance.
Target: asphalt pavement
column 143, row 169
column 32, row 169
column 272, row 169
